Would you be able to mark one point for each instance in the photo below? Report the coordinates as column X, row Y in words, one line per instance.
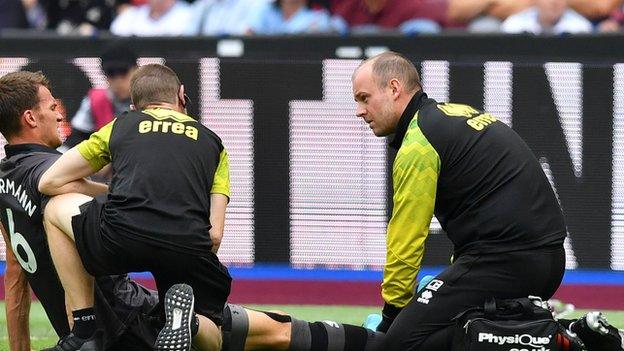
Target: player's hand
column 388, row 315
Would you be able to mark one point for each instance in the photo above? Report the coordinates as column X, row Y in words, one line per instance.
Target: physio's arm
column 82, row 186
column 415, row 175
column 66, row 174
column 218, row 203
column 219, row 198
column 78, row 162
column 17, row 295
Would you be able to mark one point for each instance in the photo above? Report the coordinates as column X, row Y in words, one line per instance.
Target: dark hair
column 19, row 91
column 117, row 58
column 153, row 84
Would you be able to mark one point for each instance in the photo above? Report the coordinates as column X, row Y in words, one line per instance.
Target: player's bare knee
column 61, row 208
column 50, row 213
column 208, row 336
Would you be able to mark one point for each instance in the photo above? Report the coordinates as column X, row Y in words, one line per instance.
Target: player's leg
column 74, row 216
column 78, row 284
column 205, row 288
column 246, row 329
column 183, row 326
column 142, row 331
column 123, row 308
column 596, row 332
column 208, row 336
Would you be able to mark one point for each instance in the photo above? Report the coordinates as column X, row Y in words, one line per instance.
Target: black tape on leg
column 356, row 338
column 239, row 326
column 319, row 336
column 278, row 317
column 300, row 336
column 226, row 328
column 281, row 318
column 335, row 336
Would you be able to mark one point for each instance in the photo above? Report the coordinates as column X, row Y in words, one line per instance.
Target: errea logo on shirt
column 425, row 297
column 481, row 121
column 168, row 127
column 475, row 118
column 458, row 110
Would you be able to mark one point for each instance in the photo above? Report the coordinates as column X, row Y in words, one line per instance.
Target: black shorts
column 105, row 252
column 123, row 308
column 426, row 323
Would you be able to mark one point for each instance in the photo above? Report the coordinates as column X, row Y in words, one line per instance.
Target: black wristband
column 390, row 311
column 388, row 315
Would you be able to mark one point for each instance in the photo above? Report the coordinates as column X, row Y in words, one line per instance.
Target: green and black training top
column 165, row 166
column 477, row 176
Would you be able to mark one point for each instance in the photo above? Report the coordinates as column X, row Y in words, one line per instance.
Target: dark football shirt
column 22, row 215
column 165, row 166
column 478, row 177
column 118, row 299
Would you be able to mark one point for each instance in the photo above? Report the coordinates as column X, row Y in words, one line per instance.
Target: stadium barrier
column 310, row 183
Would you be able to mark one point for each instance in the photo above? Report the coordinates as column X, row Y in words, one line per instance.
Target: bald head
column 391, row 65
column 383, row 86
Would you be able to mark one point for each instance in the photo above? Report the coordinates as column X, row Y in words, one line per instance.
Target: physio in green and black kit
column 483, row 184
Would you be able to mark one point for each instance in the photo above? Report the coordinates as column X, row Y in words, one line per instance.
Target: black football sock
column 300, row 336
column 332, row 336
column 84, row 323
column 305, row 336
column 235, row 327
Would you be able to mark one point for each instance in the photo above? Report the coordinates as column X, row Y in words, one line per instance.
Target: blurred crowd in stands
column 288, row 17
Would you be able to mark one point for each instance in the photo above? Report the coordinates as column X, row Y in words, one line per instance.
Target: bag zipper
column 489, row 320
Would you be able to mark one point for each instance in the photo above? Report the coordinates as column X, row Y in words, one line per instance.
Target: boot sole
column 179, row 307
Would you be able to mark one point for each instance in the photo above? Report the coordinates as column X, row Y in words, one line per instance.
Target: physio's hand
column 388, row 315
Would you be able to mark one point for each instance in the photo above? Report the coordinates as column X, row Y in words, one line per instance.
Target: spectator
column 82, row 17
column 595, row 9
column 100, row 106
column 377, row 15
column 292, row 17
column 224, row 17
column 613, row 23
column 484, row 15
column 35, row 13
column 12, row 14
column 547, row 17
column 156, row 18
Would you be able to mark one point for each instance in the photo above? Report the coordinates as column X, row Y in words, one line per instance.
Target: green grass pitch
column 43, row 336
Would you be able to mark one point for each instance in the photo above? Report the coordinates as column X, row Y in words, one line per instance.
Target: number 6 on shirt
column 17, row 239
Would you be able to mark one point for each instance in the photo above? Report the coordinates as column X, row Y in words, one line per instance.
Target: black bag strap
column 509, row 309
column 489, row 307
column 527, row 307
